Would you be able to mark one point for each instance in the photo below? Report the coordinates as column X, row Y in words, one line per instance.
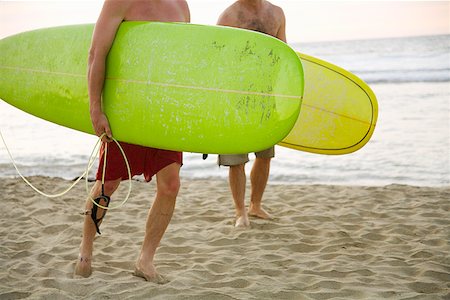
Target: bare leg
column 237, row 185
column 160, row 214
column 83, row 266
column 259, row 176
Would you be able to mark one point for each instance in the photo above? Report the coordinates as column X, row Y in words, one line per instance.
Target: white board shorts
column 240, row 159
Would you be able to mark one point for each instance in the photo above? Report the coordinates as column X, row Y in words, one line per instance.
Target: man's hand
column 101, row 125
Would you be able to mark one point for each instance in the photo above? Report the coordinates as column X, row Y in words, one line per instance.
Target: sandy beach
column 325, row 242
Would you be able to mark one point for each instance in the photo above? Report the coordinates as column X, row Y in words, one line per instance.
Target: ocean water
column 411, row 143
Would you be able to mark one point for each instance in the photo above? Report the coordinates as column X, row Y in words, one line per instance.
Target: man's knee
column 168, row 182
column 168, row 179
column 169, row 188
column 263, row 160
column 240, row 167
column 111, row 186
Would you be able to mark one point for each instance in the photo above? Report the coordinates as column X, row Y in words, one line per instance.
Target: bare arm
column 111, row 16
column 187, row 12
column 281, row 34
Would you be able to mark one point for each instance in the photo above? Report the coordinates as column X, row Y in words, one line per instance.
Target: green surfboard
column 176, row 86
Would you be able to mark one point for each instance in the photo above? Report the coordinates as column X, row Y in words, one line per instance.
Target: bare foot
column 150, row 275
column 83, row 267
column 242, row 221
column 259, row 213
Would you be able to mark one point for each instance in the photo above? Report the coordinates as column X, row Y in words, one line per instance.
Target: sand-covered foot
column 258, row 213
column 242, row 221
column 150, row 275
column 83, row 267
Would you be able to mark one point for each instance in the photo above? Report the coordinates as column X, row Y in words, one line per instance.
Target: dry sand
column 325, row 242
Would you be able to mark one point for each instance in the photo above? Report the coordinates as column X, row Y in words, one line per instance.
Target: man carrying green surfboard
column 148, row 161
column 262, row 16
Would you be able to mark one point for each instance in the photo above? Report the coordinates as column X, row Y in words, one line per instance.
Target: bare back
column 257, row 15
column 157, row 10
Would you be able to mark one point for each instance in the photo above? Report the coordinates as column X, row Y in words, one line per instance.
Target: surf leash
column 96, row 201
column 91, row 161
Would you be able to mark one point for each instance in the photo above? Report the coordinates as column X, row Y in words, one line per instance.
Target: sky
column 307, row 21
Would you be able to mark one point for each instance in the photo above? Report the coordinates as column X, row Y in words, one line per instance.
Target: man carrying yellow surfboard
column 262, row 16
column 149, row 161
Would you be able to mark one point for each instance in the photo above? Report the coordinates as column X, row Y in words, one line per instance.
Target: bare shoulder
column 115, row 9
column 184, row 7
column 278, row 14
column 277, row 11
column 183, row 4
column 229, row 16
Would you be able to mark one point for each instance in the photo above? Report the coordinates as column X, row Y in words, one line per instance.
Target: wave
column 403, row 76
column 414, row 59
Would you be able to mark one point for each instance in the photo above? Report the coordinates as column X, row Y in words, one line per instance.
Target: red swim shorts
column 142, row 160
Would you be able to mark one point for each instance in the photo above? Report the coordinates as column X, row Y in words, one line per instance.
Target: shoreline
column 325, row 241
column 221, row 180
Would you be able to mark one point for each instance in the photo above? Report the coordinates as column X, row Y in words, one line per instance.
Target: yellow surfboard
column 339, row 111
